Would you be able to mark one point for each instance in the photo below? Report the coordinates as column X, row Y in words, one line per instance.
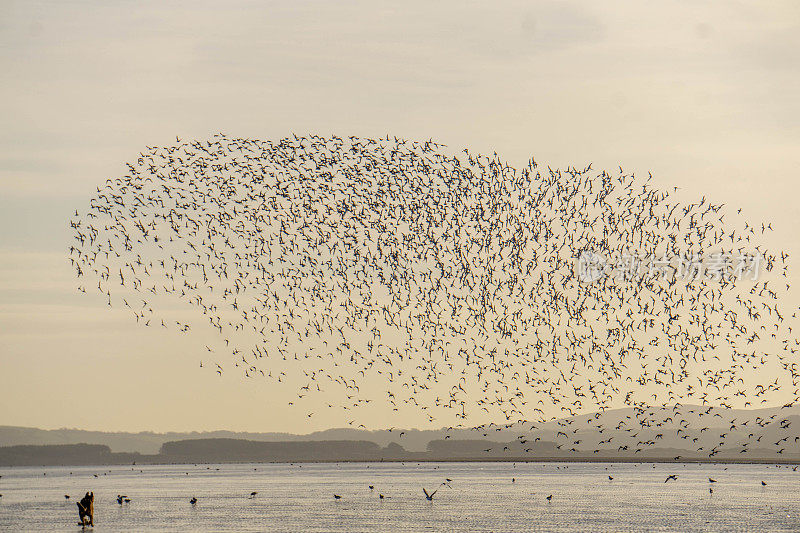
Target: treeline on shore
column 221, row 450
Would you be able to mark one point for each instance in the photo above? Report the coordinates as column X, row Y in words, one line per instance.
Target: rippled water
column 481, row 497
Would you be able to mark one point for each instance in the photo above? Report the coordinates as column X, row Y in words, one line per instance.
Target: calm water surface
column 481, row 497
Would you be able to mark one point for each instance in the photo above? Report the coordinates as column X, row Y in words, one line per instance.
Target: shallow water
column 481, row 497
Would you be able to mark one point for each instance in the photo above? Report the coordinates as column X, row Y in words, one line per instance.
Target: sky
column 702, row 96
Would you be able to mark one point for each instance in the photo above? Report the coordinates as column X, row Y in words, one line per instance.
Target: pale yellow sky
column 700, row 94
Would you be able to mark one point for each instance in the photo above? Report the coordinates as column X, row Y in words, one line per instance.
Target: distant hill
column 234, row 450
column 145, row 442
column 692, row 432
column 246, row 451
column 62, row 455
column 150, row 443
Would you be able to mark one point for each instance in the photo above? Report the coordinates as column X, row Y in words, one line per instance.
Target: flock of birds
column 389, row 272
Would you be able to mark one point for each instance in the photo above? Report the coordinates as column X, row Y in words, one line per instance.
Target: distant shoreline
column 221, row 451
column 238, row 451
column 592, row 460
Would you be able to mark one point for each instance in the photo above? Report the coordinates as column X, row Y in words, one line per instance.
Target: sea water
column 480, row 497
